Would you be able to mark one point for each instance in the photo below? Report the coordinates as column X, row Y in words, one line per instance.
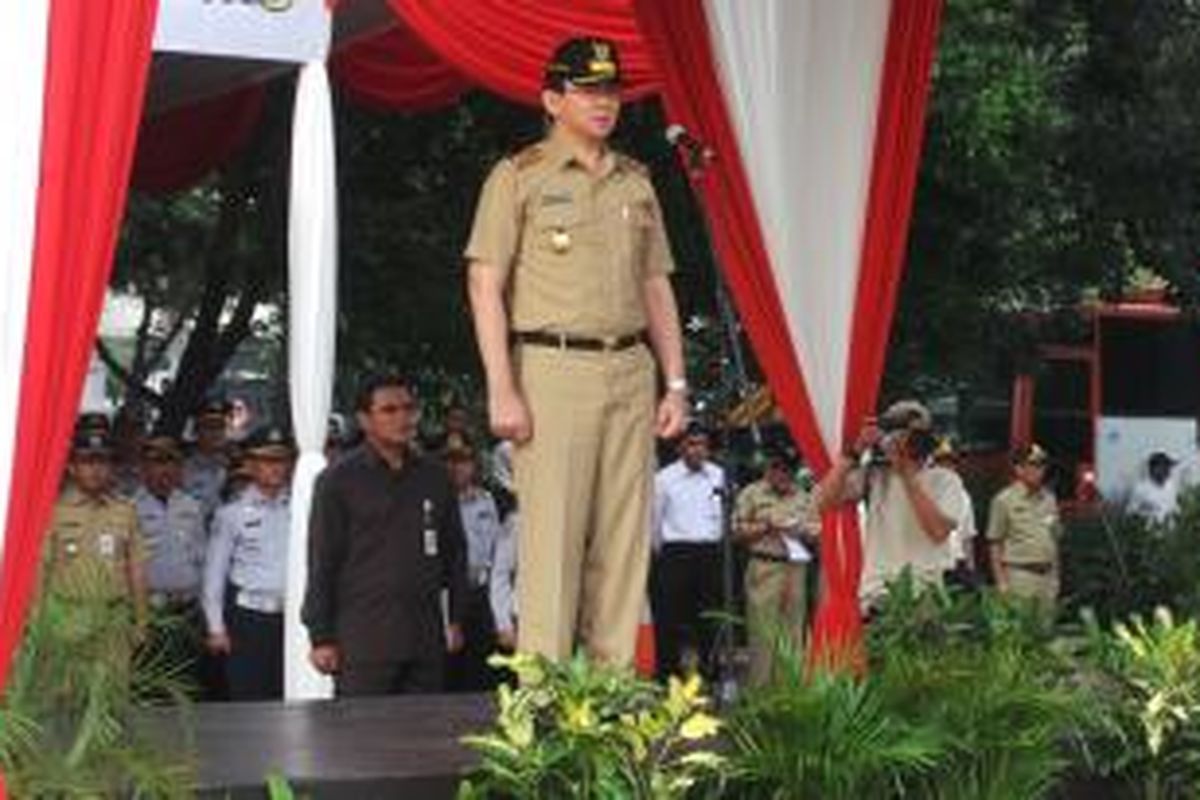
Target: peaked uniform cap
column 584, row 61
column 271, row 440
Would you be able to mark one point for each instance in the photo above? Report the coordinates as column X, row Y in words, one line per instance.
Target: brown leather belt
column 771, row 557
column 1037, row 567
column 565, row 341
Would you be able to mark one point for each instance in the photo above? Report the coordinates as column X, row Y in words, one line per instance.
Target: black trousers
column 685, row 583
column 400, row 677
column 254, row 667
column 468, row 670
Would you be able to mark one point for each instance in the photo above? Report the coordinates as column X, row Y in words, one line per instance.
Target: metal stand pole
column 697, row 157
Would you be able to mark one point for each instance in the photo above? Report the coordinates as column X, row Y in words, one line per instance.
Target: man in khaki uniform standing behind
column 776, row 519
column 568, row 283
column 94, row 555
column 1023, row 530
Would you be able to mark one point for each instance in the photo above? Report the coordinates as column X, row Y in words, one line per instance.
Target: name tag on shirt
column 108, row 545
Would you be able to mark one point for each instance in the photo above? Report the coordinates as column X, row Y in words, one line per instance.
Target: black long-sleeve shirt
column 383, row 543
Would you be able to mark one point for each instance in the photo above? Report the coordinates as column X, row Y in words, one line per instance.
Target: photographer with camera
column 912, row 505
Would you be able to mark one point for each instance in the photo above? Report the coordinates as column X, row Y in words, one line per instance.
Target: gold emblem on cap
column 560, row 240
column 605, row 69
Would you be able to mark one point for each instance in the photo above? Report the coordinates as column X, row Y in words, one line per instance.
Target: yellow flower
column 699, row 726
column 514, row 719
column 683, row 696
column 579, row 717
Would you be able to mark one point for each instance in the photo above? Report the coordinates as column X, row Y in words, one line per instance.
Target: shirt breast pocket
column 637, row 225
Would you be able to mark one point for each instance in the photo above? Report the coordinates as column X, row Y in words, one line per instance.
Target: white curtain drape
column 801, row 81
column 23, row 37
column 312, row 332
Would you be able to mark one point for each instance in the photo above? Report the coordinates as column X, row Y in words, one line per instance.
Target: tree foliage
column 1061, row 153
column 202, row 261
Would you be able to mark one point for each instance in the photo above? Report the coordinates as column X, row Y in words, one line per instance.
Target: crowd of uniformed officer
column 190, row 539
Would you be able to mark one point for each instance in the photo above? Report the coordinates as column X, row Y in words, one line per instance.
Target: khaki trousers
column 776, row 611
column 1037, row 587
column 584, row 482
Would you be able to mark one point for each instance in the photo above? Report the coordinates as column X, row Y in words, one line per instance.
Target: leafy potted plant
column 578, row 730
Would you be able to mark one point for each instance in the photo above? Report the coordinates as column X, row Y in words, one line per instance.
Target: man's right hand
column 219, row 644
column 326, row 658
column 869, row 436
column 510, row 416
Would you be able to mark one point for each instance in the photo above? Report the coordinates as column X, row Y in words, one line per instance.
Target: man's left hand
column 900, row 454
column 672, row 415
column 454, row 638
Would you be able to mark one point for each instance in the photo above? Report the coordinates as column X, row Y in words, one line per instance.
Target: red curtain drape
column 97, row 61
column 396, row 70
column 677, row 31
column 503, row 44
column 679, row 35
column 899, row 132
column 179, row 148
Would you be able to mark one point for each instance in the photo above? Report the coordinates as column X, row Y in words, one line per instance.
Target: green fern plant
column 66, row 720
column 828, row 737
column 987, row 674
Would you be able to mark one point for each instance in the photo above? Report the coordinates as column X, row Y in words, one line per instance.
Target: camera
column 907, row 420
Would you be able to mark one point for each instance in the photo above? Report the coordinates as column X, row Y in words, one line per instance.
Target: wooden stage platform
column 368, row 748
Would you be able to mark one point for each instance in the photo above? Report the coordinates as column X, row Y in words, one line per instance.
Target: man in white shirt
column 960, row 546
column 1156, row 496
column 468, row 670
column 686, row 569
column 912, row 504
column 502, row 581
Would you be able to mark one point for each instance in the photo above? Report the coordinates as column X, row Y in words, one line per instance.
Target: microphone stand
column 697, row 157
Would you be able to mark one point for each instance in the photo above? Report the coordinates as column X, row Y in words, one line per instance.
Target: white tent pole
column 23, row 36
column 312, row 314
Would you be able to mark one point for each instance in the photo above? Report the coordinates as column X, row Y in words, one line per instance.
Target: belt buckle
column 610, row 342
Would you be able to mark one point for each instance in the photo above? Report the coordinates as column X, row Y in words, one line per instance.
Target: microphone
column 698, row 153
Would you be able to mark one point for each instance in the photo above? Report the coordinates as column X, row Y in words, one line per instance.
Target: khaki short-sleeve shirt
column 1027, row 524
column 575, row 248
column 91, row 547
column 758, row 502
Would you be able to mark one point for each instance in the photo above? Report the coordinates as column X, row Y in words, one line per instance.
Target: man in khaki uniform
column 94, row 554
column 775, row 518
column 1023, row 530
column 568, row 282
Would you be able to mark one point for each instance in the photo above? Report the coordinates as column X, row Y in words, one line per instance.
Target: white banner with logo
column 273, row 30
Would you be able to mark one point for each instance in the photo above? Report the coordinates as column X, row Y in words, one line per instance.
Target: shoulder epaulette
column 633, row 165
column 528, row 156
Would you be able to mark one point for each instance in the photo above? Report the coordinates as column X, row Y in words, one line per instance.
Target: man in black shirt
column 385, row 539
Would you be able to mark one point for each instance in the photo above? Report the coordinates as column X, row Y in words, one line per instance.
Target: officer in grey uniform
column 206, row 468
column 245, row 574
column 468, row 669
column 175, row 537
